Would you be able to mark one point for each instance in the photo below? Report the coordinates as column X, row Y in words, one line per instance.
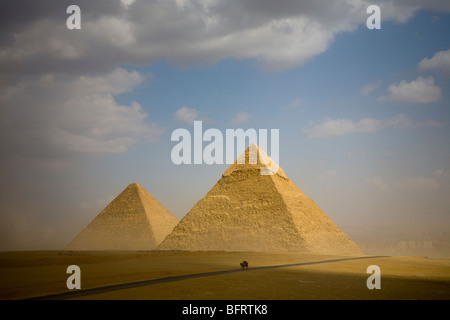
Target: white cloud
column 116, row 82
column 116, row 31
column 127, row 3
column 186, row 115
column 368, row 88
column 189, row 115
column 339, row 127
column 32, row 42
column 400, row 121
column 129, row 32
column 440, row 62
column 240, row 117
column 421, row 90
column 74, row 115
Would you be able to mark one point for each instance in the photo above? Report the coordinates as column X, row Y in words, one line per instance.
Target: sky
column 363, row 114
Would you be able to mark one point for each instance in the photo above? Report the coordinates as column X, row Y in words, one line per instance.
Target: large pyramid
column 134, row 220
column 250, row 211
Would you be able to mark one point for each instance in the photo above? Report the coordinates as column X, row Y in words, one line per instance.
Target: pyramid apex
column 134, row 185
column 254, row 157
column 136, row 189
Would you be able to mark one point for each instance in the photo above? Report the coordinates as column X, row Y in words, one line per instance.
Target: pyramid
column 134, row 220
column 250, row 211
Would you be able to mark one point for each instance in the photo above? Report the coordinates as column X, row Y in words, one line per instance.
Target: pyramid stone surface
column 248, row 211
column 134, row 220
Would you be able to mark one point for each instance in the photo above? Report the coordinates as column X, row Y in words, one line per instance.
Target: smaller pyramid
column 134, row 220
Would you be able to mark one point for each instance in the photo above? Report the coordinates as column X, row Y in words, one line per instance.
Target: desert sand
column 39, row 273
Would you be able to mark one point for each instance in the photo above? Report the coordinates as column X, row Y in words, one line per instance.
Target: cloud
column 340, row 127
column 188, row 115
column 116, row 82
column 50, row 115
column 421, row 90
column 181, row 32
column 127, row 3
column 240, row 117
column 116, row 32
column 368, row 88
column 439, row 62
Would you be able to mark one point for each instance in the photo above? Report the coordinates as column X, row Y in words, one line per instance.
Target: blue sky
column 363, row 114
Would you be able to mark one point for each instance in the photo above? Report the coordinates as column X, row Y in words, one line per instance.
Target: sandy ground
column 38, row 273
